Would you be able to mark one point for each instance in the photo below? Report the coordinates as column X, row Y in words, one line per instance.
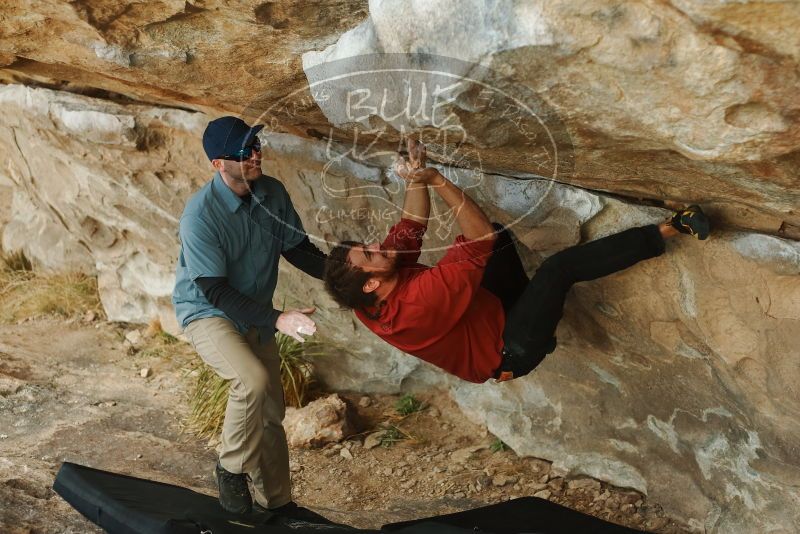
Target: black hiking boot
column 292, row 510
column 691, row 221
column 234, row 495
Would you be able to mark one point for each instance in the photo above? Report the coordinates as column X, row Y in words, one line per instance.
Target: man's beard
column 244, row 174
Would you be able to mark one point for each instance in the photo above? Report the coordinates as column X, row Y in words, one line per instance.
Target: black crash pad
column 123, row 504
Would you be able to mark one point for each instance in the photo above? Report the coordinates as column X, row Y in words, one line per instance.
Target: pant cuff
column 655, row 241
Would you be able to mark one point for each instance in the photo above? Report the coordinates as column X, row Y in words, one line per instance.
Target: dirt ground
column 72, row 391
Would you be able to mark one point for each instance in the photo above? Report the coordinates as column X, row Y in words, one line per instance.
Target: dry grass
column 159, row 343
column 209, row 395
column 207, row 402
column 15, row 261
column 295, row 368
column 26, row 293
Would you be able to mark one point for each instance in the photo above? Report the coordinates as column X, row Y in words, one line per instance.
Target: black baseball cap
column 227, row 135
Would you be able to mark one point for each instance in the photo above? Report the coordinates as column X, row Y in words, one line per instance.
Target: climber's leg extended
column 529, row 333
column 504, row 275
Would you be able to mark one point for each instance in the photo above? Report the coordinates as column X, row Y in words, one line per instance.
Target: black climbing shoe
column 293, row 511
column 691, row 221
column 234, row 495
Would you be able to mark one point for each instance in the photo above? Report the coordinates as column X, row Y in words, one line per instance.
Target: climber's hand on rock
column 296, row 322
column 403, row 169
column 417, row 153
column 406, row 172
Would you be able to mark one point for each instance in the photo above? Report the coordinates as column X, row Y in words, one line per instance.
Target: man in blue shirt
column 232, row 232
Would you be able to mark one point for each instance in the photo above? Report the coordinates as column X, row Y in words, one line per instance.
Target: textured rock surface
column 682, row 369
column 678, row 377
column 99, row 187
column 682, row 100
column 217, row 54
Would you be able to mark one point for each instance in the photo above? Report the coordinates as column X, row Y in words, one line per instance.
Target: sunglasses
column 245, row 153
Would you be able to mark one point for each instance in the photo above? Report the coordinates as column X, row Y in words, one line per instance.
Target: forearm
column 473, row 221
column 417, row 203
column 236, row 305
column 307, row 258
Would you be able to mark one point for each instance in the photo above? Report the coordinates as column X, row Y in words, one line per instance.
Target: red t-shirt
column 441, row 314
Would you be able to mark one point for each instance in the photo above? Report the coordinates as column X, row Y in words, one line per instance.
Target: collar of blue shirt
column 231, row 199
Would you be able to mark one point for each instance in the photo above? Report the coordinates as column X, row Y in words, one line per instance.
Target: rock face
column 99, row 187
column 677, row 377
column 681, row 369
column 681, row 100
column 212, row 54
column 670, row 100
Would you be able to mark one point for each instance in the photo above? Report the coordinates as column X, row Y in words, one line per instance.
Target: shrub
column 407, row 405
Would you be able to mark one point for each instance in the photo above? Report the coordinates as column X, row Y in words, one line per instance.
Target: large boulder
column 99, row 186
column 210, row 54
column 684, row 100
column 676, row 377
column 679, row 100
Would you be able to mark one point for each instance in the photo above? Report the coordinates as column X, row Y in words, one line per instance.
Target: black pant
column 534, row 308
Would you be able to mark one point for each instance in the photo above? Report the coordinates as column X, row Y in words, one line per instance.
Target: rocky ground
column 74, row 391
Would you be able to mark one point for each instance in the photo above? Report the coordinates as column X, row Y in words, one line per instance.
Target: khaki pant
column 253, row 439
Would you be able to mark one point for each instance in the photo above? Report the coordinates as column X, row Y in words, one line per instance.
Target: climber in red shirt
column 475, row 314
